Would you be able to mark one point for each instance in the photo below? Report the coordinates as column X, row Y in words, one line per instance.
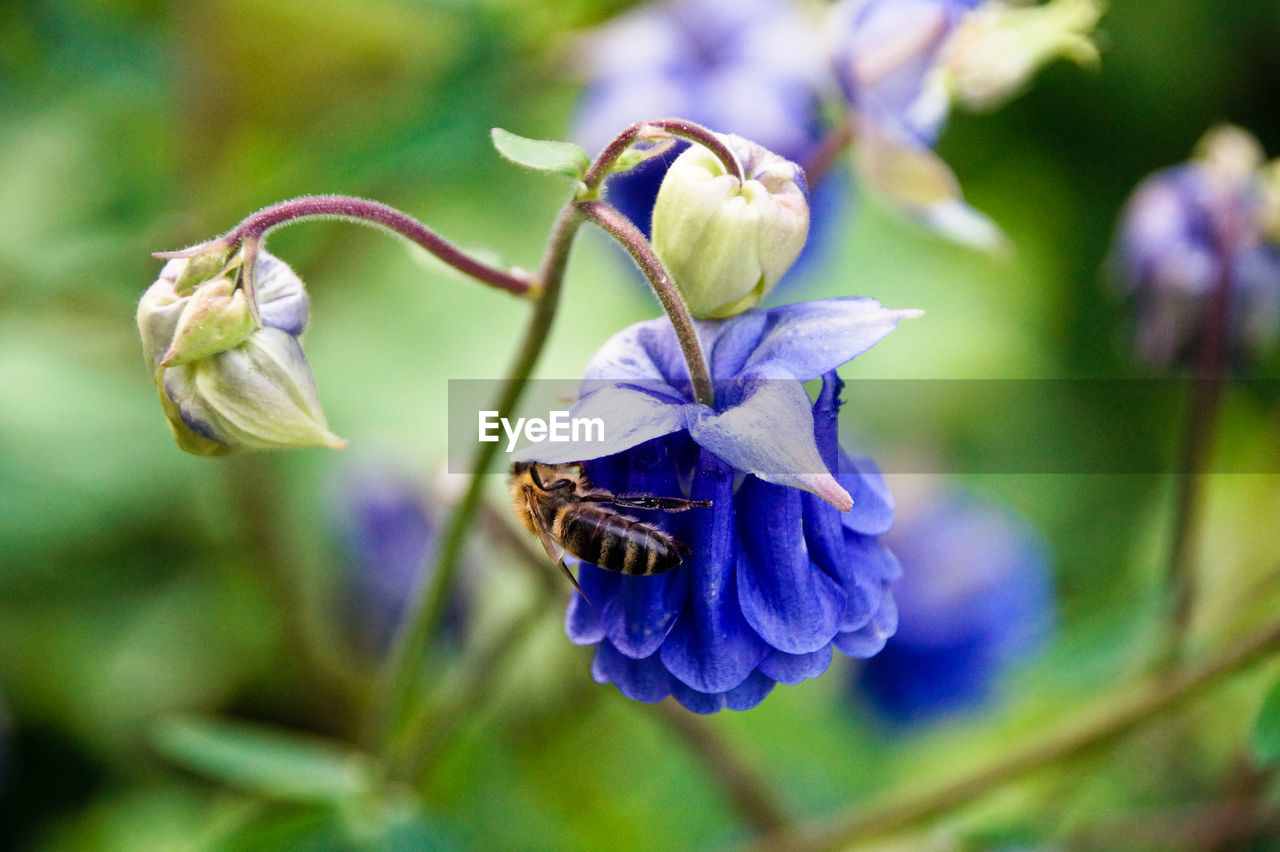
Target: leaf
column 1266, row 728
column 545, row 155
column 272, row 762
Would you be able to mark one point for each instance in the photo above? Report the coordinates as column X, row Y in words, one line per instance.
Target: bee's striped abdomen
column 613, row 541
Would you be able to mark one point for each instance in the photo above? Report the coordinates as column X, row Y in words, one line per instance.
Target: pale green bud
column 224, row 382
column 1000, row 45
column 727, row 242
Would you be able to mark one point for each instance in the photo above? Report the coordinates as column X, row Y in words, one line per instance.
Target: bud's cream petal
column 259, row 395
column 216, row 318
column 727, row 242
column 158, row 313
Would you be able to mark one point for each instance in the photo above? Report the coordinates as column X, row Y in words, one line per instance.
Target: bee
column 572, row 517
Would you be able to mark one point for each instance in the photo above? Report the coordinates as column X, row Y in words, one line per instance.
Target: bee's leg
column 553, row 548
column 642, row 501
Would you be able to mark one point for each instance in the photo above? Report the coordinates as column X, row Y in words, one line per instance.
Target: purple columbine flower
column 975, row 598
column 776, row 575
column 748, row 67
column 387, row 534
column 902, row 63
column 1183, row 232
column 886, row 54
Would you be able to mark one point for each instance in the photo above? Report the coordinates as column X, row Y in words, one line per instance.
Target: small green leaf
column 268, row 761
column 562, row 158
column 1266, row 728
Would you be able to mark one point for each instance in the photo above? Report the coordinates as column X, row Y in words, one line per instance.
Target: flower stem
column 1109, row 718
column 824, row 153
column 1204, row 400
column 748, row 794
column 677, row 127
column 664, row 286
column 360, row 210
column 410, row 655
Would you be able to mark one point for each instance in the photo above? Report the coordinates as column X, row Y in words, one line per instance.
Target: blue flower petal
column 729, row 343
column 770, row 434
column 282, row 301
column 642, row 611
column 584, row 621
column 871, row 637
column 867, row 566
column 793, row 607
column 872, row 511
column 711, row 647
column 640, row 680
column 746, row 695
column 631, row 417
column 646, row 353
column 749, row 693
column 703, row 703
column 793, row 668
column 808, row 339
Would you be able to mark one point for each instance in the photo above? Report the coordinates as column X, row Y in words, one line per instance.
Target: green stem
column 678, row 127
column 410, row 655
column 256, row 226
column 1089, row 728
column 664, row 286
column 823, row 155
column 749, row 795
column 1204, row 400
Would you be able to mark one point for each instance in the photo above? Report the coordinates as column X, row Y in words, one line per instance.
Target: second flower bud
column 726, row 241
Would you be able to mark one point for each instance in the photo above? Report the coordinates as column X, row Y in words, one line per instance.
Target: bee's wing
column 549, row 543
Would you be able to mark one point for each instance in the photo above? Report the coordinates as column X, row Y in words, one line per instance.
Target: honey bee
column 570, row 516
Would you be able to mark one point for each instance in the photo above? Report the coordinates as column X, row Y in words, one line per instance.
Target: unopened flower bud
column 999, row 46
column 727, row 242
column 224, row 382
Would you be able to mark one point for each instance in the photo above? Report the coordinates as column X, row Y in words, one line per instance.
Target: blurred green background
column 137, row 582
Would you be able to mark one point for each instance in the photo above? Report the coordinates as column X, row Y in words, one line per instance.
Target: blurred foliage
column 136, row 582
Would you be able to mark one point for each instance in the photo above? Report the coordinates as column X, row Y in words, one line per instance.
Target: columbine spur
column 785, row 564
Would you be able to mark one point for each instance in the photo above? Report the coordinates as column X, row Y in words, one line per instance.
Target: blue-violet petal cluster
column 786, row 564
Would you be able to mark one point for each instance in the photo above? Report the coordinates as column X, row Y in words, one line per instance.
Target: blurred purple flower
column 1185, row 230
column 776, row 574
column 886, row 54
column 976, row 597
column 749, row 67
column 387, row 532
column 902, row 63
